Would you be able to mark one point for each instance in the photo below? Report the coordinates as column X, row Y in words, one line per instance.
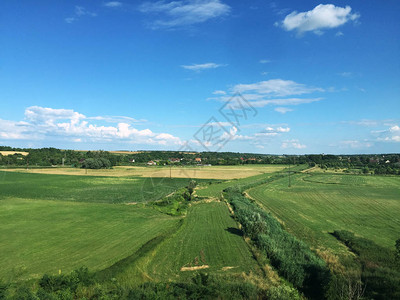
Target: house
column 174, row 160
column 197, row 159
column 132, row 160
column 151, row 163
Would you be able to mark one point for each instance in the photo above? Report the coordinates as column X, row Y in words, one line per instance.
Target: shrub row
column 292, row 258
column 81, row 284
column 380, row 269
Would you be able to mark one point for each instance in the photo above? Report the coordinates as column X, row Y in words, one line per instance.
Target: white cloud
column 219, row 92
column 293, row 144
column 50, row 123
column 283, row 110
column 276, row 87
column 181, row 13
column 201, row 67
column 113, row 4
column 392, row 134
column 79, row 12
column 346, row 74
column 289, row 101
column 265, row 93
column 264, row 61
column 70, row 20
column 339, row 33
column 323, row 16
column 354, row 144
column 283, row 129
column 37, row 115
column 116, row 119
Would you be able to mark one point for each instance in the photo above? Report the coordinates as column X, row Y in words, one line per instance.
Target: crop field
column 6, row 153
column 199, row 172
column 59, row 222
column 42, row 236
column 316, row 205
column 215, row 189
column 86, row 188
column 209, row 238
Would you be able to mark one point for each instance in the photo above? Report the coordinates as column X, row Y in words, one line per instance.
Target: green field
column 97, row 189
column 59, row 222
column 42, row 236
column 209, row 236
column 316, row 205
column 215, row 189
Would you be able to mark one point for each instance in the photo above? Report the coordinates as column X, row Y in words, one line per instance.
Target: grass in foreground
column 39, row 236
column 208, row 240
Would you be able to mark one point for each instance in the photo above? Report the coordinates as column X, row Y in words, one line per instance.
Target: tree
column 397, row 253
column 191, row 186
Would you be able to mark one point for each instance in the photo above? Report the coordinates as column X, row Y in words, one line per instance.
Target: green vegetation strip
column 292, row 258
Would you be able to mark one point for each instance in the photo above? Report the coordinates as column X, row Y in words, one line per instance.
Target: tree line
column 362, row 163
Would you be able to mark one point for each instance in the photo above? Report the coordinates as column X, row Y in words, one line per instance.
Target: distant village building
column 132, row 160
column 174, row 160
column 151, row 163
column 197, row 159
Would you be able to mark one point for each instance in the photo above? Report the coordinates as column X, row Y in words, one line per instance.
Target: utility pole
column 289, row 176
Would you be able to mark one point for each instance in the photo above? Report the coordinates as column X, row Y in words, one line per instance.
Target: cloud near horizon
column 44, row 122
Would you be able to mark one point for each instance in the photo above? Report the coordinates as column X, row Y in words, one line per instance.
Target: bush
column 292, row 258
column 96, row 163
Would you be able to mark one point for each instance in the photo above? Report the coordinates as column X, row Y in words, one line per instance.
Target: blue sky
column 243, row 76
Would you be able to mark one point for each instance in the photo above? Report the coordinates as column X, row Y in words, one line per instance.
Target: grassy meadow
column 43, row 236
column 316, row 205
column 210, row 238
column 97, row 189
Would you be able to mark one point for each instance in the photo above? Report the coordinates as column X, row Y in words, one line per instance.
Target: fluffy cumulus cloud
column 392, row 134
column 322, row 17
column 51, row 123
column 181, row 13
column 201, row 67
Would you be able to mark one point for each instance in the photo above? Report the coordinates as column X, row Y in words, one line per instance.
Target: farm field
column 42, row 236
column 199, row 172
column 316, row 205
column 215, row 189
column 208, row 238
column 86, row 188
column 6, row 153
